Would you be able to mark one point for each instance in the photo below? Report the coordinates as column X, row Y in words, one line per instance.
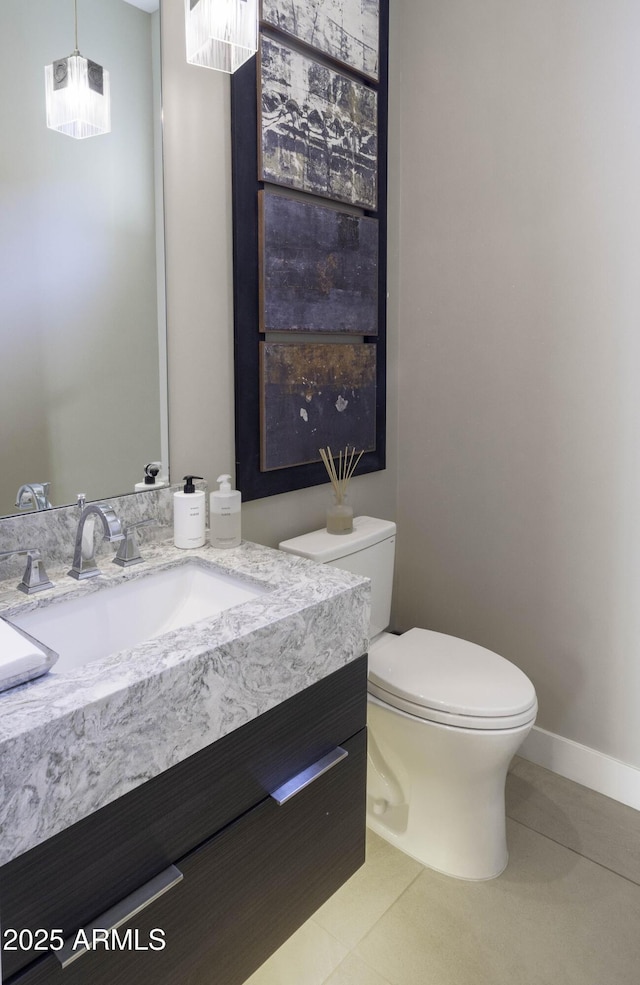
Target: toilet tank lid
column 319, row 545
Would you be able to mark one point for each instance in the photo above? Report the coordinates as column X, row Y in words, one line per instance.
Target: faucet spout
column 85, row 566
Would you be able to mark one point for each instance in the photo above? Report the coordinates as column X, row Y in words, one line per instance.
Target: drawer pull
column 303, row 779
column 121, row 912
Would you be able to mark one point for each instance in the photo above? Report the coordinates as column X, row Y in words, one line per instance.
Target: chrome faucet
column 37, row 493
column 84, row 562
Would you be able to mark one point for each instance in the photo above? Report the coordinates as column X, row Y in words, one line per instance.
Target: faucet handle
column 129, row 548
column 35, row 578
column 141, row 523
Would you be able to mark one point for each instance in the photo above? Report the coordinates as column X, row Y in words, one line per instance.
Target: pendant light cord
column 75, row 10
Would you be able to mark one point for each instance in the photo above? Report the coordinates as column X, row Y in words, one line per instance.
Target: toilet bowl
column 445, row 718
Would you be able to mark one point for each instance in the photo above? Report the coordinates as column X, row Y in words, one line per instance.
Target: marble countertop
column 72, row 743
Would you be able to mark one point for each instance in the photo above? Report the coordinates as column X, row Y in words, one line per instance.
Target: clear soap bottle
column 224, row 514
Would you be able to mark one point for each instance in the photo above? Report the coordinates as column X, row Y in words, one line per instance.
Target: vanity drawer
column 85, row 870
column 243, row 892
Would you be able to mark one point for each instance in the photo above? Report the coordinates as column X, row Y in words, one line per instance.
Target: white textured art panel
column 318, row 127
column 347, row 30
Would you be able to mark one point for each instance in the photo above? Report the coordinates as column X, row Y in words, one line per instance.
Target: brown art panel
column 314, row 395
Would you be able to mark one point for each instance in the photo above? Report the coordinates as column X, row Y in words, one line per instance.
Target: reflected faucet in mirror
column 34, row 496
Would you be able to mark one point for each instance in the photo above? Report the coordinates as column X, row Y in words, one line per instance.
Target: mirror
column 83, row 401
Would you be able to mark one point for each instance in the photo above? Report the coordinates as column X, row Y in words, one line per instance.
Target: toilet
column 445, row 719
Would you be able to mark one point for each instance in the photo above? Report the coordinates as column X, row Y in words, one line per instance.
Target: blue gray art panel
column 317, row 128
column 318, row 268
column 347, row 30
column 314, row 395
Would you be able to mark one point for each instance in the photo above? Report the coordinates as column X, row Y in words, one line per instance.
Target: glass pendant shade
column 78, row 97
column 221, row 34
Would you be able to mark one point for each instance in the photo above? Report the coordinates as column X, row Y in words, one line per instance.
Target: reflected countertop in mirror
column 82, row 299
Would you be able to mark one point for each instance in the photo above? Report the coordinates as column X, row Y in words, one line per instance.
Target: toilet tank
column 369, row 550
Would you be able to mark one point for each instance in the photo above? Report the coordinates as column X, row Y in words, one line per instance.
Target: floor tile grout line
column 331, row 934
column 385, row 981
column 399, row 897
column 574, row 851
column 361, row 957
column 351, row 949
column 409, row 884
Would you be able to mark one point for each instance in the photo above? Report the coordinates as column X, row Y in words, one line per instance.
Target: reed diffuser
column 340, row 515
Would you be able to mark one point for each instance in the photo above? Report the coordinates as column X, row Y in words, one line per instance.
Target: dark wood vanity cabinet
column 247, row 871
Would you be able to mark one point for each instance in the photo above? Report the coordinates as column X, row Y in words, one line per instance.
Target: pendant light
column 78, row 95
column 221, row 34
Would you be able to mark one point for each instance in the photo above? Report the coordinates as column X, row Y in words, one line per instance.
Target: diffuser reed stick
column 346, row 467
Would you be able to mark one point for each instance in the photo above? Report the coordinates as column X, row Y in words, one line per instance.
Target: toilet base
column 437, row 792
column 401, row 845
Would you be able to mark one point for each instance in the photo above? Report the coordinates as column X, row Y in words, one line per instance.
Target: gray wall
column 519, row 462
column 513, row 311
column 200, row 304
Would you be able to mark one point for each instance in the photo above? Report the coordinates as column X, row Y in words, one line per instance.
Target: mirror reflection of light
column 221, row 34
column 77, row 93
column 78, row 97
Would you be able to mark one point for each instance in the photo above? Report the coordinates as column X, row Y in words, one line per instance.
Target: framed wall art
column 313, row 395
column 346, row 30
column 318, row 127
column 318, row 268
column 309, row 154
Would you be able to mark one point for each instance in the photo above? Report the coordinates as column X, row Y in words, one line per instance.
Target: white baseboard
column 584, row 765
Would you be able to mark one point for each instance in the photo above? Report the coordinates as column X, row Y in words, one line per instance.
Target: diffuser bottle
column 340, row 515
column 189, row 515
column 225, row 514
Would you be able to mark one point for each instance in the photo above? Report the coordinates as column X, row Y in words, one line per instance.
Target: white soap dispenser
column 224, row 509
column 189, row 515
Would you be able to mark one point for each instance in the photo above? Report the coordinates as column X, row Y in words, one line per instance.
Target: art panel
column 318, row 268
column 314, row 395
column 347, row 30
column 317, row 128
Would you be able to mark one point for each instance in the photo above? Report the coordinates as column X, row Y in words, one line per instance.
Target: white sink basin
column 116, row 618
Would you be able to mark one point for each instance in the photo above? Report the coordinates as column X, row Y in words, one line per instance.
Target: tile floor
column 565, row 912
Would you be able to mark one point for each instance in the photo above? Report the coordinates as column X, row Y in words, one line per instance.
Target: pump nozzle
column 225, row 483
column 189, row 486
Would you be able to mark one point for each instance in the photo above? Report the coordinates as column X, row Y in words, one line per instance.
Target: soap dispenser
column 189, row 515
column 224, row 508
column 151, row 480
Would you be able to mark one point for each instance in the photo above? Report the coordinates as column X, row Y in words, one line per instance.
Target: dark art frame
column 253, row 483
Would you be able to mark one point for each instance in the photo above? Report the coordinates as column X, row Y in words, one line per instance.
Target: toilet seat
column 443, row 679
